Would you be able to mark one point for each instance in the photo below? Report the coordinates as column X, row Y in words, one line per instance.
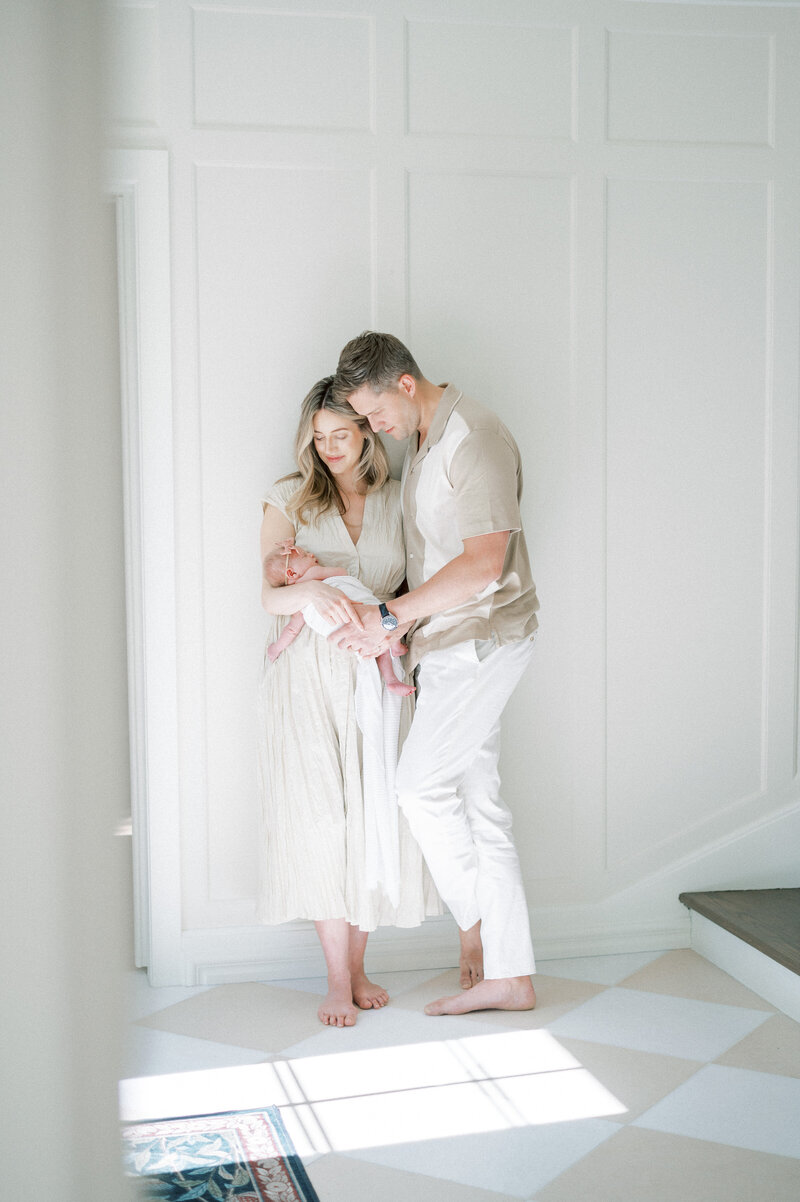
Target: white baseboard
column 613, row 940
column 293, row 951
column 777, row 985
column 227, row 956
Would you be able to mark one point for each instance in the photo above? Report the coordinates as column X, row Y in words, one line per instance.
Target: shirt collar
column 447, row 403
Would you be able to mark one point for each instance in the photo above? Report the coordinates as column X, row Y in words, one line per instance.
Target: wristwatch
column 388, row 621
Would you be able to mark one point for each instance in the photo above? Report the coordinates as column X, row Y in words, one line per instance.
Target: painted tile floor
column 638, row 1078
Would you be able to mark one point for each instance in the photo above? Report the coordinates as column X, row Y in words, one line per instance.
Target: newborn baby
column 290, row 565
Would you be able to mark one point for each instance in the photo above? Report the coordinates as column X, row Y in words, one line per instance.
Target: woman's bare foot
column 367, row 995
column 470, row 961
column 508, row 993
column 338, row 1010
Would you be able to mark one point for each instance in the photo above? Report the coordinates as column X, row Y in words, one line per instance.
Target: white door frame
column 137, row 181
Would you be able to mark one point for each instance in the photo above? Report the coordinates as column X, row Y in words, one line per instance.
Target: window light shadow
column 379, row 1097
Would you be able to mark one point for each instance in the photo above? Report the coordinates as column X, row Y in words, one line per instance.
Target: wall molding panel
column 687, row 345
column 583, row 212
column 282, row 70
column 701, row 88
column 489, row 78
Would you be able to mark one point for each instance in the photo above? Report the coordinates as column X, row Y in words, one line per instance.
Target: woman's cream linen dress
column 313, row 855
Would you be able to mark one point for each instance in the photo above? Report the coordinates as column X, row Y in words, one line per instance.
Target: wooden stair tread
column 767, row 919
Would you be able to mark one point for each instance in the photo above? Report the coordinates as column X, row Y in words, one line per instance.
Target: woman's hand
column 332, row 604
column 367, row 638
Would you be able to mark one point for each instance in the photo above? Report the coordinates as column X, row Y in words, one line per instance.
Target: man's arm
column 478, row 565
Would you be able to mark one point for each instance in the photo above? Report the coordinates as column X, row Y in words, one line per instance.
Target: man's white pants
column 448, row 787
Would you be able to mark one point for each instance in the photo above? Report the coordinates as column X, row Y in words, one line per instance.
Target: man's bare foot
column 338, row 1010
column 367, row 995
column 470, row 961
column 507, row 993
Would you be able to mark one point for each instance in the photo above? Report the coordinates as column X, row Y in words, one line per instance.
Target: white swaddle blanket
column 378, row 717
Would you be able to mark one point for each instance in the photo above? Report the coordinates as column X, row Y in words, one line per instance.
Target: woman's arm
column 330, row 603
column 275, row 528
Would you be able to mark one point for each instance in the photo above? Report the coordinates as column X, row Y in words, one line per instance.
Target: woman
column 342, row 507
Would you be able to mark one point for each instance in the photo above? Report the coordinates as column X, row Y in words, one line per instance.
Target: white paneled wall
column 263, row 69
column 687, row 430
column 527, row 67
column 585, row 213
column 692, row 84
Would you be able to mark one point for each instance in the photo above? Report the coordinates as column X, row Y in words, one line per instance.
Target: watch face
column 388, row 621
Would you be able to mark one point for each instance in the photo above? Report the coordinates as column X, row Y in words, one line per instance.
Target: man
column 472, row 606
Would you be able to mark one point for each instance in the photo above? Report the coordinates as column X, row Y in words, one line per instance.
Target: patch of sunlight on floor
column 373, row 1098
column 414, row 1066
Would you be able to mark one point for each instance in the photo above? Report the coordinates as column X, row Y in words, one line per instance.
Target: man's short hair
column 378, row 360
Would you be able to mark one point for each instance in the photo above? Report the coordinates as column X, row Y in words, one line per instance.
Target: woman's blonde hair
column 316, row 491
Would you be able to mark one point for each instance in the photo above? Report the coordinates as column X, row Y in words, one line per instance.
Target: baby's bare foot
column 509, row 993
column 368, row 995
column 397, row 686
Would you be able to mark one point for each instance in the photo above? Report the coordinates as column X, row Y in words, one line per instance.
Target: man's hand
column 371, row 639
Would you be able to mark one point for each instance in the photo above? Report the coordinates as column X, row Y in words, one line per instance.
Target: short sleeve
column 278, row 497
column 484, row 477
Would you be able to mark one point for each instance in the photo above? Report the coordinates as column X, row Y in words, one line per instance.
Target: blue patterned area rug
column 243, row 1156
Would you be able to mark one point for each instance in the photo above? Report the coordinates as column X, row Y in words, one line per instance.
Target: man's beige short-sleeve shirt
column 466, row 480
